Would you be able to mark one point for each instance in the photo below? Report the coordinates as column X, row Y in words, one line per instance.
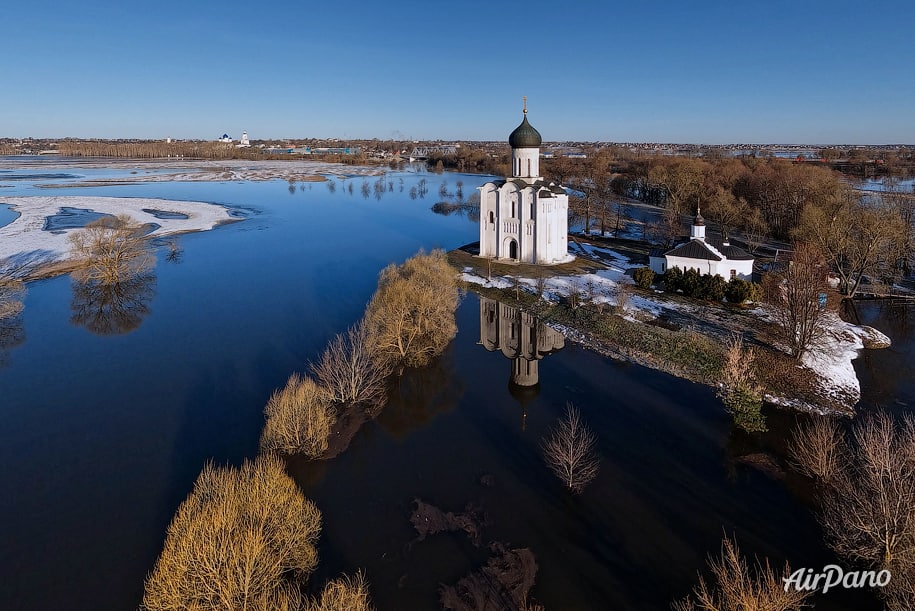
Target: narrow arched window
column 492, row 217
column 532, row 211
column 528, row 167
column 513, row 208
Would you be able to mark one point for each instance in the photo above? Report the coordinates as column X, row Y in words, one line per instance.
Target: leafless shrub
column 343, row 594
column 349, row 370
column 411, row 316
column 540, row 283
column 243, row 539
column 623, row 295
column 12, row 292
column 868, row 506
column 111, row 250
column 299, row 419
column 569, row 451
column 819, row 449
column 739, row 390
column 736, row 588
column 576, row 296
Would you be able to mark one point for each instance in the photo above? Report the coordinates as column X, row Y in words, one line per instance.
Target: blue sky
column 681, row 71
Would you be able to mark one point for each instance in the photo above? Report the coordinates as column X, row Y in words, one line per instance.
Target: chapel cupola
column 525, row 142
column 698, row 230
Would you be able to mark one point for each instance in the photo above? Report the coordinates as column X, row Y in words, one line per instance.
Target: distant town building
column 524, row 218
column 226, row 138
column 245, row 143
column 706, row 255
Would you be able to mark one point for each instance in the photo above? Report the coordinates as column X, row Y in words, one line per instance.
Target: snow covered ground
column 212, row 171
column 25, row 242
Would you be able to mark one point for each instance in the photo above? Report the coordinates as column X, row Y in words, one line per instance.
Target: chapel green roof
column 525, row 136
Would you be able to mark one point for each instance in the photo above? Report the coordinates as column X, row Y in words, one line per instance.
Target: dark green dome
column 525, row 136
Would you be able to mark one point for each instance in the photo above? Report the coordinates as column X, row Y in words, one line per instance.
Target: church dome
column 525, row 136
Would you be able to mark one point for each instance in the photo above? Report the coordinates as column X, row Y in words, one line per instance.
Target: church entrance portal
column 513, row 250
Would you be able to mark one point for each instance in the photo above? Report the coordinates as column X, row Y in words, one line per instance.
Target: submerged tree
column 111, row 250
column 244, row 539
column 868, row 494
column 12, row 333
column 569, row 451
column 349, row 371
column 411, row 316
column 737, row 588
column 299, row 418
column 343, row 594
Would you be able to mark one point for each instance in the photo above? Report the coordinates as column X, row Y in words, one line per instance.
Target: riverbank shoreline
column 595, row 304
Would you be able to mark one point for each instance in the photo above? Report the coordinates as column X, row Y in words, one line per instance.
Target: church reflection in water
column 525, row 340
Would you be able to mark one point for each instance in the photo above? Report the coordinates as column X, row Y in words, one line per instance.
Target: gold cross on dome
column 524, row 97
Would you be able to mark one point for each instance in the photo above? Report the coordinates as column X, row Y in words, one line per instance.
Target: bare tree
column 819, row 449
column 868, row 500
column 299, row 419
column 736, row 588
column 349, row 370
column 12, row 290
column 244, row 539
column 857, row 239
column 794, row 298
column 343, row 594
column 569, row 451
column 111, row 250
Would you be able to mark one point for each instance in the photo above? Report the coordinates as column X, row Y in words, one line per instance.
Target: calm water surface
column 110, row 413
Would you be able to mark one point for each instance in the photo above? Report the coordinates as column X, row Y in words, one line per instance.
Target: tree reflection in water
column 12, row 292
column 112, row 309
column 12, row 334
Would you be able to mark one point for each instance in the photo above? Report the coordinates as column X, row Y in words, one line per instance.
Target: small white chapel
column 706, row 255
column 524, row 218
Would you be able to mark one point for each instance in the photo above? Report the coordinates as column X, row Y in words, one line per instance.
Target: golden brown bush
column 736, row 588
column 11, row 293
column 243, row 539
column 411, row 316
column 343, row 594
column 299, row 419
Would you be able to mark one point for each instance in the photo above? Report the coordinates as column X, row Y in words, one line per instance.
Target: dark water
column 887, row 376
column 71, row 218
column 111, row 405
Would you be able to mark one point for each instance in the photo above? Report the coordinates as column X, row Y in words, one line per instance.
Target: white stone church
column 524, row 218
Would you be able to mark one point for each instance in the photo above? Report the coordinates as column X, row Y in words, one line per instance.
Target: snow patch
column 25, row 240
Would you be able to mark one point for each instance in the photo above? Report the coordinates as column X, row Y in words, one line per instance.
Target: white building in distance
column 524, row 218
column 707, row 256
column 245, row 143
